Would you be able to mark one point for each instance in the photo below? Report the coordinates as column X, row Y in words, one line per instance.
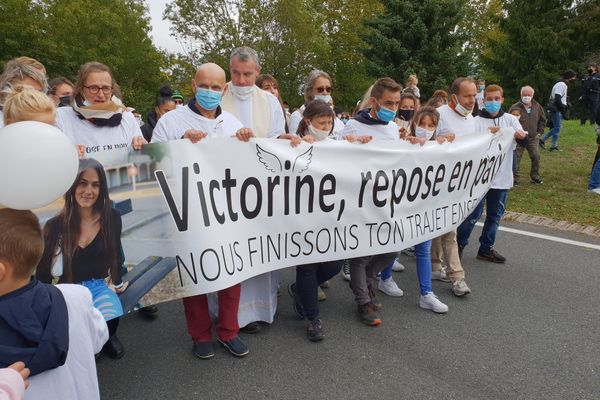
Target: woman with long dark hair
column 82, row 243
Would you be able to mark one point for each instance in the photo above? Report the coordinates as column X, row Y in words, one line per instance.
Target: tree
column 418, row 37
column 114, row 32
column 292, row 37
column 530, row 50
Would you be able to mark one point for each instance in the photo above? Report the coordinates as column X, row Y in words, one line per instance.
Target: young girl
column 82, row 243
column 25, row 103
column 316, row 125
column 408, row 105
column 423, row 126
column 411, row 86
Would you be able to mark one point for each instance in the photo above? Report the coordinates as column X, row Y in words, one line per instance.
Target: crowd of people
column 53, row 325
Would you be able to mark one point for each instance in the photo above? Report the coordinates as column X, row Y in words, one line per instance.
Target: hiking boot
column 390, row 288
column 203, row 350
column 431, row 302
column 460, row 288
column 397, row 267
column 542, row 144
column 235, row 346
column 368, row 314
column 314, row 330
column 439, row 276
column 298, row 307
column 492, row 256
column 346, row 270
column 537, row 180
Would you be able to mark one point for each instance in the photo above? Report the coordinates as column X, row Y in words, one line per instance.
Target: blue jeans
column 423, row 254
column 495, row 201
column 595, row 178
column 308, row 278
column 556, row 118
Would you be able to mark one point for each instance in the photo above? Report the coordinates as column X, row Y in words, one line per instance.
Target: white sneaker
column 597, row 190
column 431, row 302
column 439, row 276
column 397, row 267
column 390, row 288
column 346, row 270
column 460, row 288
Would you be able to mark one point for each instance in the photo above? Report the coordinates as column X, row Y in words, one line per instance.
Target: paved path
column 529, row 331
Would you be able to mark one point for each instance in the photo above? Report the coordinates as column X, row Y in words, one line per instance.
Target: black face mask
column 64, row 101
column 406, row 114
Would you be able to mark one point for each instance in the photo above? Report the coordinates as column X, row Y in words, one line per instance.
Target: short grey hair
column 527, row 87
column 309, row 84
column 244, row 54
column 15, row 71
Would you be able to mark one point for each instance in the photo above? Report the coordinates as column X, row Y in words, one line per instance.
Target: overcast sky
column 160, row 28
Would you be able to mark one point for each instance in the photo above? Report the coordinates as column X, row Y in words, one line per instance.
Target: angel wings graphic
column 273, row 163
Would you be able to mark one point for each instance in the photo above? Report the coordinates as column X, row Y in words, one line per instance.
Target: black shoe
column 114, row 348
column 149, row 312
column 314, row 330
column 542, row 144
column 537, row 180
column 492, row 256
column 203, row 350
column 252, row 327
column 235, row 346
column 298, row 308
column 554, row 148
column 460, row 251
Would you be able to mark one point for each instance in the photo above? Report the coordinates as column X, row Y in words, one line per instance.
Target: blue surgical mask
column 492, row 106
column 385, row 114
column 208, row 99
column 482, row 87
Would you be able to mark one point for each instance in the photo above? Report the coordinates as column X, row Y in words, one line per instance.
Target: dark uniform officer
column 590, row 94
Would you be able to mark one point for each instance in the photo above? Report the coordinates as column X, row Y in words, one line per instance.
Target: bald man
column 202, row 116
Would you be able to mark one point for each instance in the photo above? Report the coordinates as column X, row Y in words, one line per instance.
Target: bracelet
column 119, row 286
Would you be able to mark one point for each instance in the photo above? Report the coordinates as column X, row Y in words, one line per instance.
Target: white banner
column 237, row 210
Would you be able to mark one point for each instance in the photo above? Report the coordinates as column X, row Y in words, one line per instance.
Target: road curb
column 145, row 221
column 552, row 223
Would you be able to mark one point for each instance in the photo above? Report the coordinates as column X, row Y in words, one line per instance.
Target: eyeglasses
column 95, row 89
column 321, row 89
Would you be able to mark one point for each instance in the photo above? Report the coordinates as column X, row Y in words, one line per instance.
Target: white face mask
column 424, row 133
column 324, row 97
column 526, row 99
column 460, row 109
column 318, row 134
column 241, row 92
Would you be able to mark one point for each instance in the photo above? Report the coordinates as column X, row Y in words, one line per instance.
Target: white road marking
column 547, row 237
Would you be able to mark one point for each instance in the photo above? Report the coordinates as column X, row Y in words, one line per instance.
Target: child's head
column 28, row 104
column 425, row 122
column 412, row 80
column 317, row 119
column 21, row 245
column 516, row 112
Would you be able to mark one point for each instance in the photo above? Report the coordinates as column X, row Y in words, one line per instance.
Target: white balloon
column 38, row 164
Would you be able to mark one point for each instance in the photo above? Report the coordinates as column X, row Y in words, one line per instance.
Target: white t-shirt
column 277, row 123
column 390, row 131
column 77, row 378
column 97, row 138
column 173, row 125
column 559, row 88
column 504, row 177
column 296, row 117
column 452, row 122
column 479, row 98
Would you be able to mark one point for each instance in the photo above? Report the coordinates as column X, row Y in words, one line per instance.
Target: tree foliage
column 292, row 37
column 418, row 37
column 64, row 34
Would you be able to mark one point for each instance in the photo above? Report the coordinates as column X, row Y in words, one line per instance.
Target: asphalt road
column 529, row 331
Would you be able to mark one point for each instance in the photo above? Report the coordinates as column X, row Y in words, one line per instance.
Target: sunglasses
column 326, row 89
